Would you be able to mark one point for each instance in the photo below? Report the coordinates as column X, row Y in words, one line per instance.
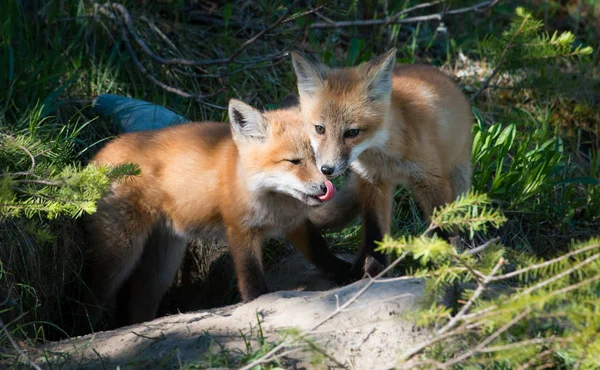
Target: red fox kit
column 253, row 179
column 407, row 125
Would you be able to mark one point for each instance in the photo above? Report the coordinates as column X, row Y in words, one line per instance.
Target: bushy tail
column 341, row 210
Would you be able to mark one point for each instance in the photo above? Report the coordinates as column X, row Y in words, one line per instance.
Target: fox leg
column 117, row 234
column 245, row 247
column 433, row 194
column 461, row 179
column 376, row 203
column 154, row 274
column 311, row 243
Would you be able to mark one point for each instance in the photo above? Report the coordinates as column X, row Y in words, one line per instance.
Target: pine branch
column 545, row 264
column 489, row 79
column 480, row 289
column 487, row 341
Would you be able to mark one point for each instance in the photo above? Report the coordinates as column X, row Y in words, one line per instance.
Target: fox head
column 344, row 109
column 275, row 154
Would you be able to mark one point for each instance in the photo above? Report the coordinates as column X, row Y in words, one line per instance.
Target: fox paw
column 373, row 267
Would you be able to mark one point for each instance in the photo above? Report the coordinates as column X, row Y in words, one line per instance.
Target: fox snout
column 322, row 192
column 330, row 156
column 333, row 168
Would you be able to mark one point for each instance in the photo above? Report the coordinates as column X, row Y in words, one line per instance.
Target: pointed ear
column 380, row 73
column 309, row 73
column 246, row 121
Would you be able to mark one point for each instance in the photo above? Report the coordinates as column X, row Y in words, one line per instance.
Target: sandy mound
column 368, row 334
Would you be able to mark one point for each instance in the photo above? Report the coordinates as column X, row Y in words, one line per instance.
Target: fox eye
column 320, row 129
column 351, row 133
column 294, row 161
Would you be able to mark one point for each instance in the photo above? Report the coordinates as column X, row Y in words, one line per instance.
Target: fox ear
column 246, row 121
column 379, row 73
column 308, row 72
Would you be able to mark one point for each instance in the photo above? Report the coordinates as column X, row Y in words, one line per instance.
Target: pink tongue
column 329, row 193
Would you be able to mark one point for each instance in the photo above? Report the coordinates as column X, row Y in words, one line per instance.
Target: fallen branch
column 480, row 289
column 391, row 20
column 150, row 76
column 10, row 338
column 544, row 264
column 128, row 21
column 487, row 341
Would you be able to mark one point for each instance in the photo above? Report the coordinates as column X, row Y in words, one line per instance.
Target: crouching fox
column 245, row 181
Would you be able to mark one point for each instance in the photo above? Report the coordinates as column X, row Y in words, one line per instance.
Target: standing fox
column 407, row 125
column 247, row 181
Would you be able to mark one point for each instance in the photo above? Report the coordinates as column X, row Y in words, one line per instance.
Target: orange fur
column 199, row 180
column 414, row 128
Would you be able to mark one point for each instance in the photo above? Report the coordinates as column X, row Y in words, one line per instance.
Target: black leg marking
column 371, row 233
column 331, row 265
column 254, row 279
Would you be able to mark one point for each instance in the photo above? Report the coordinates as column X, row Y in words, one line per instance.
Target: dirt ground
column 358, row 337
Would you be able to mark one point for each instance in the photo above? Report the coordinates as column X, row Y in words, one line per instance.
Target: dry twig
column 480, row 289
column 269, row 356
column 544, row 264
column 22, row 353
column 391, row 20
column 487, row 341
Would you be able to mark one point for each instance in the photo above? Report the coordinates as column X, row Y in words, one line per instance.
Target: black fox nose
column 324, row 188
column 326, row 170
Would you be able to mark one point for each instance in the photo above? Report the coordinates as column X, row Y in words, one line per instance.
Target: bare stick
column 23, row 173
column 267, row 357
column 41, row 182
column 488, row 340
column 360, row 292
column 544, row 264
column 482, row 247
column 257, row 36
column 126, row 17
column 557, row 277
column 408, row 10
column 413, row 351
column 531, row 362
column 431, row 17
column 30, row 156
column 154, row 80
column 523, row 343
column 16, row 347
column 530, row 290
column 231, row 73
column 480, row 288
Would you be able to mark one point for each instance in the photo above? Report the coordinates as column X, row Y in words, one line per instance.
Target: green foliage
column 515, row 166
column 548, row 316
column 70, row 192
column 522, row 45
column 255, row 346
column 469, row 212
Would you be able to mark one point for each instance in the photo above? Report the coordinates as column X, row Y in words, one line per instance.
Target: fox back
column 247, row 181
column 408, row 125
